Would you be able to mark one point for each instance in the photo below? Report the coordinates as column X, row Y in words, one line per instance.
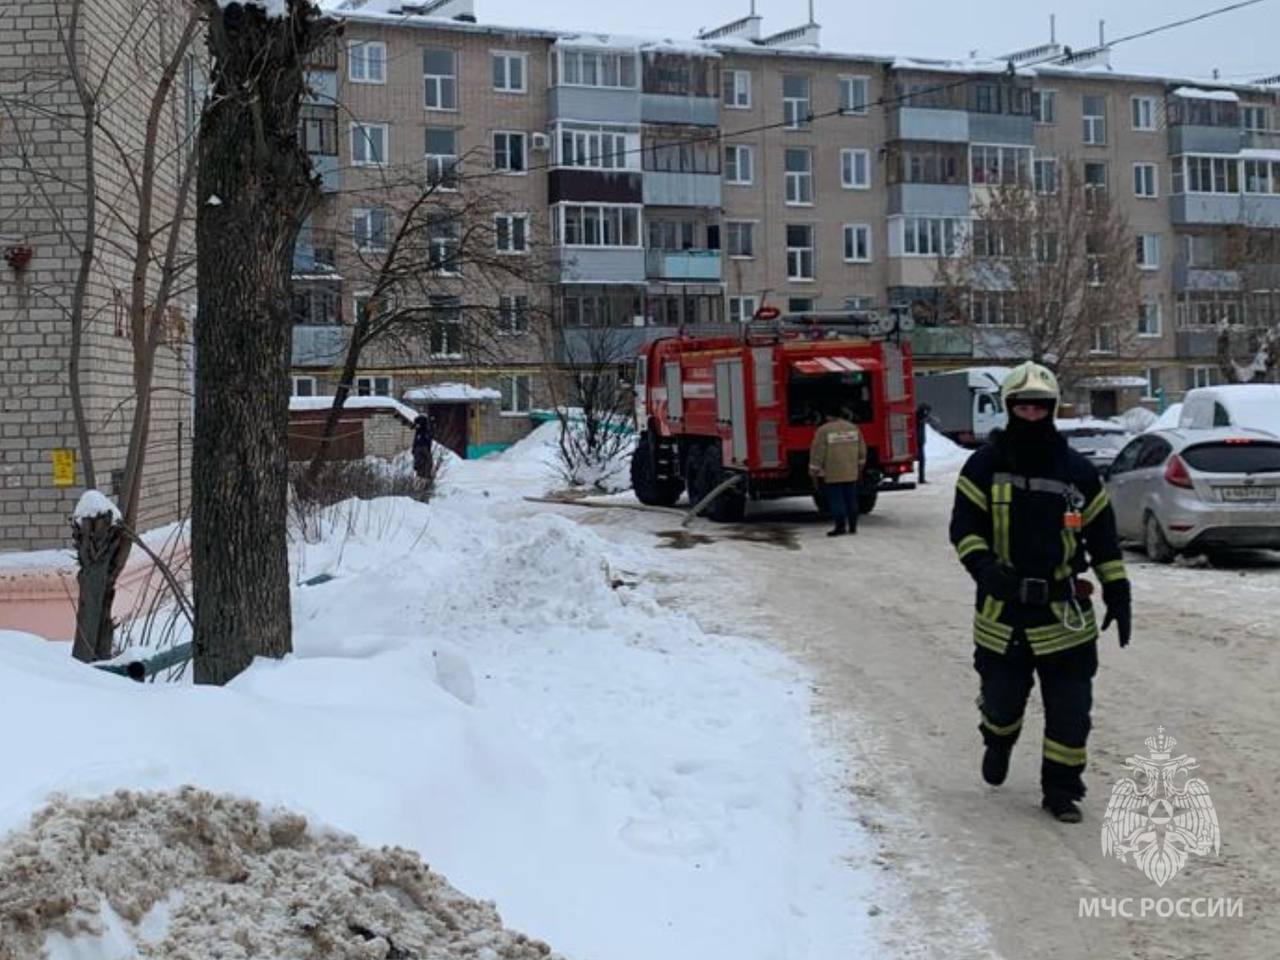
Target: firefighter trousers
column 1066, row 687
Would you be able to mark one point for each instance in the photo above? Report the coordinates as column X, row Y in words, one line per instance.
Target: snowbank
column 941, row 452
column 1167, row 420
column 406, row 413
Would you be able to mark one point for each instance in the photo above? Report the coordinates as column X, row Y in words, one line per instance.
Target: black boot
column 995, row 764
column 838, row 531
column 1062, row 809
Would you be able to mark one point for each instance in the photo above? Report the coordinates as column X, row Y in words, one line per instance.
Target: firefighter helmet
column 1029, row 381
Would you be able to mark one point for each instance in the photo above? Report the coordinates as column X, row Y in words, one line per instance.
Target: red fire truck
column 746, row 406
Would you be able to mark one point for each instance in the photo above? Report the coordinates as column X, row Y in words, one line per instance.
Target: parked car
column 1255, row 405
column 1197, row 491
column 1099, row 440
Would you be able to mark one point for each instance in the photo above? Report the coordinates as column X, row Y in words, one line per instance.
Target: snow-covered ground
column 495, row 687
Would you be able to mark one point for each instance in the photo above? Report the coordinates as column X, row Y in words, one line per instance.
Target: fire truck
column 744, row 407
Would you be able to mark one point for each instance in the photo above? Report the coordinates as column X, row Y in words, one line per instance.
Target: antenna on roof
column 812, row 21
column 1102, row 33
column 1053, row 28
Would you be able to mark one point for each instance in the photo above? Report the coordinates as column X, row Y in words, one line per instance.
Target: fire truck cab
column 746, row 406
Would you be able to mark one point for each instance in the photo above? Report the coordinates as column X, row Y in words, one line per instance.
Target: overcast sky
column 1243, row 45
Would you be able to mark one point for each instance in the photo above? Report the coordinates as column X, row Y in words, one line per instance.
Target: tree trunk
column 255, row 191
column 98, row 541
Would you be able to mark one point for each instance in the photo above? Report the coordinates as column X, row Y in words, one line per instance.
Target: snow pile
column 942, row 452
column 172, row 875
column 1137, row 419
column 94, row 503
column 1167, row 420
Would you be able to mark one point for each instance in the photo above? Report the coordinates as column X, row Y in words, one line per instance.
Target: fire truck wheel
column 649, row 490
column 820, row 501
column 867, row 500
column 708, row 468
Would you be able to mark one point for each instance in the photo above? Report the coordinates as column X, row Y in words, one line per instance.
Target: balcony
column 673, row 109
column 1202, row 343
column 322, row 88
column 326, row 168
column 319, row 346
column 703, row 266
column 601, row 264
column 929, row 123
column 1250, row 210
column 601, row 186
column 947, row 341
column 681, row 189
column 1001, row 128
column 1187, row 278
column 930, row 199
column 580, row 344
column 598, row 104
column 1190, row 138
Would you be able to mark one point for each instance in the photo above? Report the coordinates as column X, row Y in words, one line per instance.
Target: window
column 736, row 89
column 673, row 150
column 592, row 68
column 509, row 72
column 318, row 131
column 315, row 304
column 799, row 176
column 1095, row 185
column 1094, row 261
column 1149, row 318
column 508, row 152
column 1145, row 183
column 511, row 232
column 513, row 314
column 1211, row 175
column 1152, row 390
column 1144, row 113
column 671, row 234
column 800, row 305
column 443, row 245
column 1199, row 377
column 990, row 238
column 304, row 386
column 928, row 163
column 446, row 327
column 441, row 158
column 993, row 308
column 795, row 100
column 741, row 235
column 1044, row 106
column 594, row 225
column 855, row 94
column 440, row 78
column 799, row 252
column 738, row 166
column 1045, row 171
column 1255, row 119
column 993, row 166
column 1261, row 176
column 855, row 169
column 598, row 147
column 367, row 61
column 741, row 309
column 930, row 236
column 368, row 144
column 1095, row 120
column 360, row 306
column 857, row 243
column 515, row 389
column 370, row 228
column 1046, row 247
column 1104, row 339
column 373, row 386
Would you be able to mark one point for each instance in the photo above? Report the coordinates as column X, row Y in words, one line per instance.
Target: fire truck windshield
column 809, row 396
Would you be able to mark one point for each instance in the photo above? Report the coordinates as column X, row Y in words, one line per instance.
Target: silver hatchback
column 1197, row 491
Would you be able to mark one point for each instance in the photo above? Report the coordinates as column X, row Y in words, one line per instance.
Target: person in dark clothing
column 923, row 414
column 423, row 438
column 1030, row 516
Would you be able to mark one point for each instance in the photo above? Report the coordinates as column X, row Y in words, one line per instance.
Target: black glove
column 999, row 580
column 1118, row 598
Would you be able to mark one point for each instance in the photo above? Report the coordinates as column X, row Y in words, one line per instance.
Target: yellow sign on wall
column 64, row 468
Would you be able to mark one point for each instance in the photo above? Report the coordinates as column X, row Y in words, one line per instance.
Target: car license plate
column 1248, row 494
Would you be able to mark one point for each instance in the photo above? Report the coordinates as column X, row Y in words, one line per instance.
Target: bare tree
column 126, row 122
column 1057, row 264
column 1252, row 323
column 255, row 190
column 435, row 252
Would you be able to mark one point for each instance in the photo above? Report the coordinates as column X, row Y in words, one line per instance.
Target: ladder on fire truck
column 773, row 327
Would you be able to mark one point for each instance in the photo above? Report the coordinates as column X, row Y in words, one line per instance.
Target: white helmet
column 1029, row 381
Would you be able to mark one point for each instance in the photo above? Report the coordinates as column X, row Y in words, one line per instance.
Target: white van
column 1255, row 405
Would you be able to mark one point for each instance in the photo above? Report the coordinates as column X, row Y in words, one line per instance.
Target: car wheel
column 1158, row 548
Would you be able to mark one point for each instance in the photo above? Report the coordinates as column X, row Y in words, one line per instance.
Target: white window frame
column 798, row 184
column 444, row 244
column 365, row 63
column 1148, row 251
column 855, row 230
column 746, row 308
column 360, row 135
column 1042, row 96
column 369, row 383
column 797, row 275
column 946, row 240
column 591, row 144
column 558, row 224
column 793, row 117
column 296, row 381
column 510, row 135
column 1103, row 340
column 1143, row 113
column 1094, row 124
column 512, row 382
column 736, row 83
column 740, row 150
column 1153, row 384
column 359, row 300
column 1052, row 164
column 365, row 216
column 750, row 226
column 599, row 56
column 849, row 157
column 505, row 57
column 1201, row 375
column 1143, row 304
column 439, row 82
column 848, row 87
column 513, row 316
column 1255, row 109
column 442, row 168
column 1146, row 175
column 511, row 219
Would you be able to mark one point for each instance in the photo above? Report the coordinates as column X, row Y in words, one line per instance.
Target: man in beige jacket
column 836, row 458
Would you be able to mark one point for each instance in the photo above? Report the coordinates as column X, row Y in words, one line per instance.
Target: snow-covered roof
column 1255, row 154
column 1116, row 382
column 452, row 393
column 301, row 404
column 1199, row 93
column 968, row 65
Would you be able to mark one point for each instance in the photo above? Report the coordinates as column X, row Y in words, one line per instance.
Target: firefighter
column 836, row 458
column 1030, row 516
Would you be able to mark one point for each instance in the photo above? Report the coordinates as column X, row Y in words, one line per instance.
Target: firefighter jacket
column 1049, row 524
column 837, row 453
